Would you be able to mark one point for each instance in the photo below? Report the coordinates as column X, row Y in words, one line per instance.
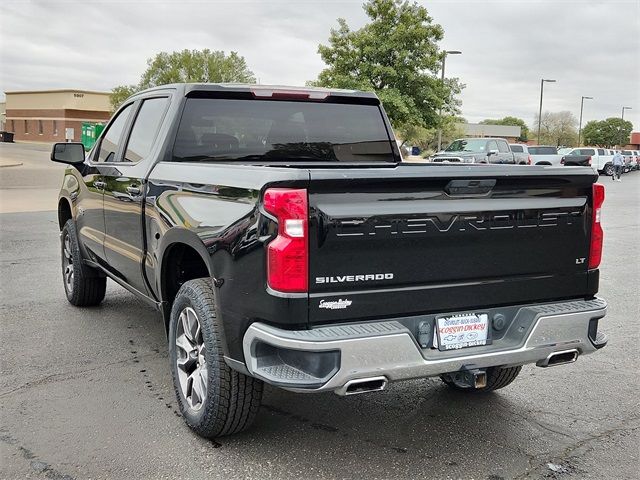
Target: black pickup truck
column 284, row 241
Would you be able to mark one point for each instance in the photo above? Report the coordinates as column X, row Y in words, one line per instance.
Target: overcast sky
column 591, row 48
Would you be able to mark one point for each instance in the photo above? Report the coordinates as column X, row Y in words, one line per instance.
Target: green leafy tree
column 397, row 56
column 187, row 66
column 607, row 133
column 557, row 128
column 511, row 121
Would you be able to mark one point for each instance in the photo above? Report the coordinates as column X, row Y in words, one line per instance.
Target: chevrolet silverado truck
column 283, row 241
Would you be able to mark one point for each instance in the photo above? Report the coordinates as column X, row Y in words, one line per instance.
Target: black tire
column 231, row 399
column 609, row 170
column 84, row 286
column 497, row 378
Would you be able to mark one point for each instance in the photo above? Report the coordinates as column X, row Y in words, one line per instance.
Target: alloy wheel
column 67, row 263
column 190, row 359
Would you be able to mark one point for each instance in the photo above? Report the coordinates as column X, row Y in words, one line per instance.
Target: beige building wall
column 58, row 100
column 45, row 116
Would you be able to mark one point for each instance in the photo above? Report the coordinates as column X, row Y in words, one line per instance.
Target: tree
column 511, row 121
column 607, row 133
column 395, row 55
column 198, row 66
column 557, row 128
column 427, row 138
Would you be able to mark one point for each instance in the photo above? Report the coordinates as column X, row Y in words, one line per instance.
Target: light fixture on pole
column 444, row 57
column 540, row 111
column 623, row 109
column 581, row 107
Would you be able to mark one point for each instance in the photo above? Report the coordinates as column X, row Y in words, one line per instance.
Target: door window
column 111, row 138
column 601, row 151
column 503, row 147
column 492, row 145
column 587, row 151
column 517, row 149
column 145, row 129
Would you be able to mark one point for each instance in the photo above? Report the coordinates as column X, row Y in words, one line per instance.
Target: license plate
column 462, row 331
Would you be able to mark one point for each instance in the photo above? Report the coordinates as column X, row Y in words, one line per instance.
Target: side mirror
column 492, row 152
column 70, row 153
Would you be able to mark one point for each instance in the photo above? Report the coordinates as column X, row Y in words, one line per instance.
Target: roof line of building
column 60, row 90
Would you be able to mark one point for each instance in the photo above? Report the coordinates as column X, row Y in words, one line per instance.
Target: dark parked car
column 476, row 150
column 283, row 241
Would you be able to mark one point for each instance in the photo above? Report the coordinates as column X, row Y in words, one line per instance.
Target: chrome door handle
column 133, row 190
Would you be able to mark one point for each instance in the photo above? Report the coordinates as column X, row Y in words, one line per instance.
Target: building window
column 55, row 127
column 40, row 128
column 26, row 127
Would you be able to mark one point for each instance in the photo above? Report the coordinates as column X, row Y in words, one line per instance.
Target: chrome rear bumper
column 328, row 358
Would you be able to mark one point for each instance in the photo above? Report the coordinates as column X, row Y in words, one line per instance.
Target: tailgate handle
column 470, row 187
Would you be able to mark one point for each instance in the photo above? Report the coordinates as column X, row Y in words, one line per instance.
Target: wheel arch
column 182, row 257
column 64, row 212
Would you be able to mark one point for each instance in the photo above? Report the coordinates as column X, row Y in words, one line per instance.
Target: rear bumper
column 328, row 358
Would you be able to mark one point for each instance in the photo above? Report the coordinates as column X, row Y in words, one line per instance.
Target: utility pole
column 581, row 107
column 444, row 57
column 540, row 111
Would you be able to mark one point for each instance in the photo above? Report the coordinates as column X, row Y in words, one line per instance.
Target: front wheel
column 83, row 285
column 214, row 399
column 497, row 378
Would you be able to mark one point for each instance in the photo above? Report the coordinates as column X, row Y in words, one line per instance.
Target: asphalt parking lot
column 87, row 393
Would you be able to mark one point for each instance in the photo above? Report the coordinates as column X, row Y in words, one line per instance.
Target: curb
column 9, row 164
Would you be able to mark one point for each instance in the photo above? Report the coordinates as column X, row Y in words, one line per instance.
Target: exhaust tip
column 560, row 358
column 363, row 385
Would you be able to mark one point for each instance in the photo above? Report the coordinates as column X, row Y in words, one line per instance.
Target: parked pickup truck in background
column 476, row 150
column 545, row 155
column 521, row 153
column 600, row 159
column 283, row 241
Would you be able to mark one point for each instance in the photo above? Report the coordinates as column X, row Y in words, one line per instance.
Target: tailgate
column 430, row 238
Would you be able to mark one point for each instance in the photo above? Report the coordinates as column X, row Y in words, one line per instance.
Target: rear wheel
column 609, row 170
column 83, row 285
column 497, row 378
column 214, row 399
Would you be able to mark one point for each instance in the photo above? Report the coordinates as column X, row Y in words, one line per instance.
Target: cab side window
column 492, row 145
column 145, row 129
column 503, row 147
column 112, row 137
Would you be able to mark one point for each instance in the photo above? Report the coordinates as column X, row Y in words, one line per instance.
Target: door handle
column 99, row 185
column 133, row 190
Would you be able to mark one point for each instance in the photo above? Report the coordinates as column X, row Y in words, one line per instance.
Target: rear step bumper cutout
column 339, row 358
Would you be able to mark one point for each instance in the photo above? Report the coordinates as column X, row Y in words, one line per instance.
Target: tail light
column 288, row 253
column 597, row 235
column 562, row 161
column 529, row 160
column 589, row 162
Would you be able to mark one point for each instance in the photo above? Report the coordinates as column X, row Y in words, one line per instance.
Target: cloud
column 590, row 48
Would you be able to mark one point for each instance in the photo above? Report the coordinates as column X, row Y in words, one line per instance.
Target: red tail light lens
column 529, row 160
column 589, row 163
column 288, row 253
column 597, row 235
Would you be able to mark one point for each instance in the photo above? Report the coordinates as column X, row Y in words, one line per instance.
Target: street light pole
column 444, row 58
column 540, row 111
column 623, row 109
column 581, row 107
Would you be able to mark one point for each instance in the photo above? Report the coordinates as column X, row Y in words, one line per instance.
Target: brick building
column 44, row 116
